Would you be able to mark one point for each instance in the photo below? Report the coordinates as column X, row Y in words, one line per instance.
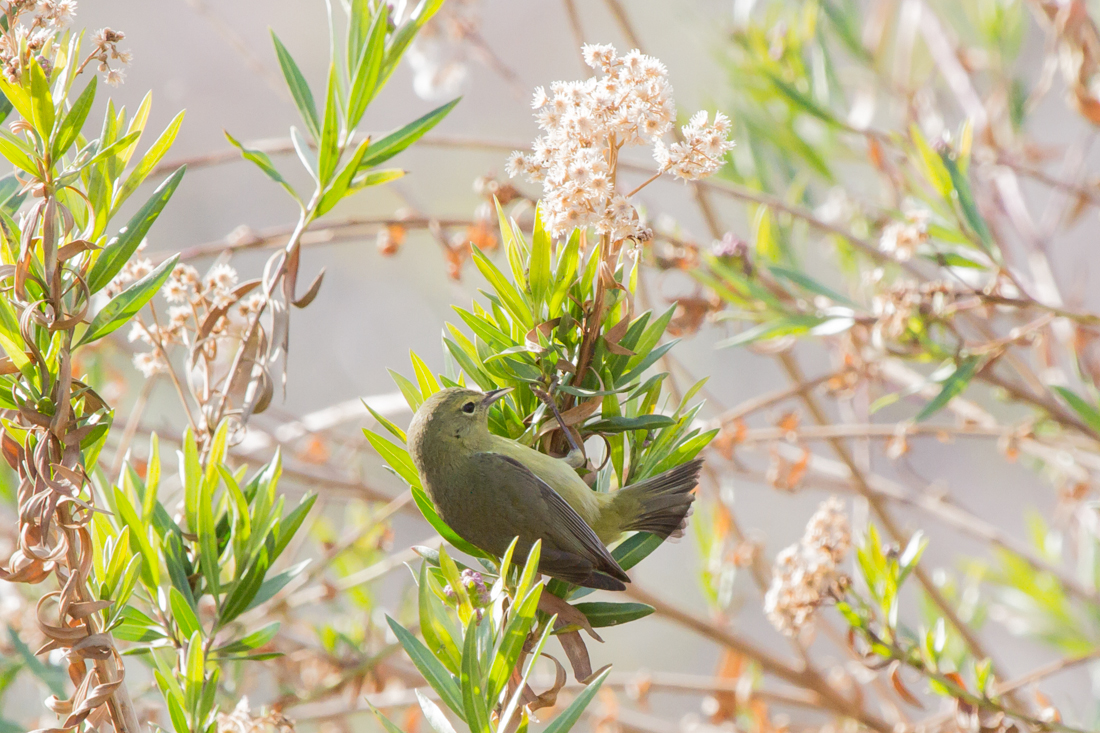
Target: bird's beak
column 494, row 395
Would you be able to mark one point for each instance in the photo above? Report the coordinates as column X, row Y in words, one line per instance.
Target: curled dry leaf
column 900, row 688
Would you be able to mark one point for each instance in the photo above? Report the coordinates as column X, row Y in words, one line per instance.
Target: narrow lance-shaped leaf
column 119, row 250
column 329, row 147
column 434, row 672
column 148, row 162
column 385, row 148
column 70, row 127
column 569, row 717
column 42, row 108
column 953, row 386
column 1089, row 413
column 299, row 88
column 127, row 303
column 368, row 62
column 474, row 698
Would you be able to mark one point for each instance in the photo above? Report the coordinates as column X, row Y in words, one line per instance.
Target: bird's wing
column 570, row 548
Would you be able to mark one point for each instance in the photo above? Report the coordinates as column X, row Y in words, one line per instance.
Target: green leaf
column 364, row 79
column 194, row 669
column 366, row 179
column 432, row 670
column 255, row 640
column 511, row 298
column 953, row 386
column 618, row 424
column 18, row 97
column 396, row 456
column 408, row 389
column 508, row 649
column 435, row 717
column 120, row 249
column 932, row 164
column 16, row 152
column 808, row 283
column 299, row 89
column 392, row 144
column 276, row 583
column 435, row 624
column 150, row 569
column 386, row 722
column 207, row 532
column 183, row 614
column 564, row 275
column 288, row 526
column 42, row 109
column 341, row 186
column 178, row 568
column 359, row 17
column 427, row 382
column 636, row 548
column 70, row 127
column 1089, row 413
column 329, row 146
column 569, row 717
column 123, row 306
column 175, row 712
column 475, row 701
column 803, row 101
column 148, row 162
column 385, row 422
column 601, row 614
column 966, row 201
column 111, row 152
column 791, row 325
column 539, row 277
column 245, row 589
column 263, row 162
column 305, row 152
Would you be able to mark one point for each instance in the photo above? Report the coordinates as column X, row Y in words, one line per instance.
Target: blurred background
column 215, row 60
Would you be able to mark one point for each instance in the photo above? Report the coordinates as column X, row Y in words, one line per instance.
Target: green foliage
column 338, row 164
column 533, row 334
column 472, row 644
column 157, row 573
column 537, row 330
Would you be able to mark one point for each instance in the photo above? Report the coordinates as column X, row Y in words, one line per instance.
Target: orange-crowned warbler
column 491, row 489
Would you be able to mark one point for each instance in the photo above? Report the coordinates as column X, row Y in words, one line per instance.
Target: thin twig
column 827, row 697
column 882, row 512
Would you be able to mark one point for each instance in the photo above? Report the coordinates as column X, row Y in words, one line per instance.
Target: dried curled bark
column 54, row 503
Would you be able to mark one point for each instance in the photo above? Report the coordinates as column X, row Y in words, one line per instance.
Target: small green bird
column 491, row 489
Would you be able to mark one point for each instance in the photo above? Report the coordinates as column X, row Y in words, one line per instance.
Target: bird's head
column 453, row 416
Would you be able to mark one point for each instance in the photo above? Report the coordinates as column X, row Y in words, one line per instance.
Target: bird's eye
column 468, row 408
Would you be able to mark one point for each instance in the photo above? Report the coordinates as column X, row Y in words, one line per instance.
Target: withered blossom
column 701, row 153
column 241, row 720
column 586, row 124
column 808, row 573
column 901, row 238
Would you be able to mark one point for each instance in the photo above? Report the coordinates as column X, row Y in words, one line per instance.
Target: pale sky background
column 372, row 310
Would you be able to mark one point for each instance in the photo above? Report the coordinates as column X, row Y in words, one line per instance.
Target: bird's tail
column 659, row 504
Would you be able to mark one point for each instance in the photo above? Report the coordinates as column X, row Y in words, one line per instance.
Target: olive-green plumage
column 491, row 489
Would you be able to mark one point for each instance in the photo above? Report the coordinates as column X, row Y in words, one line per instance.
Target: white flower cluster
column 106, row 51
column 701, row 153
column 21, row 41
column 191, row 298
column 901, row 238
column 242, row 721
column 807, row 573
column 586, row 123
column 441, row 53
